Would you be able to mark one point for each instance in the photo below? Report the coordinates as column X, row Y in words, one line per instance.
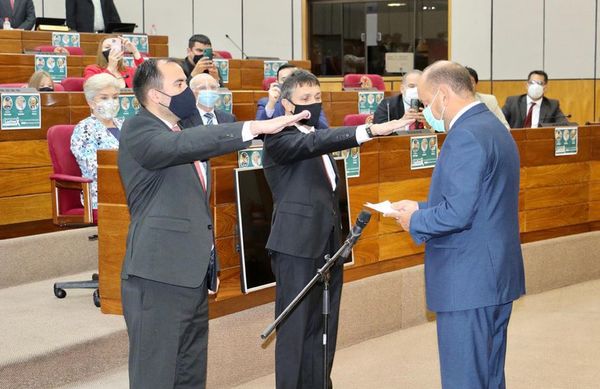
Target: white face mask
column 107, row 109
column 535, row 91
column 411, row 93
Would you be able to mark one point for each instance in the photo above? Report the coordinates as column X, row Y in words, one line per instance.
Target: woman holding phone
column 110, row 60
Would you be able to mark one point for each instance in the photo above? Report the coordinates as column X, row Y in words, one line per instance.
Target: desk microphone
column 361, row 222
column 236, row 45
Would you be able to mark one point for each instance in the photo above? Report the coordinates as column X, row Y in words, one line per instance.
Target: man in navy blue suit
column 270, row 107
column 470, row 224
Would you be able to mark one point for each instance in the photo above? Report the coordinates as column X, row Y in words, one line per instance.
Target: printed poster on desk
column 21, row 111
column 55, row 65
column 128, row 106
column 423, row 152
column 250, row 158
column 351, row 159
column 271, row 68
column 223, row 68
column 140, row 42
column 66, row 39
column 225, row 101
column 565, row 141
column 368, row 101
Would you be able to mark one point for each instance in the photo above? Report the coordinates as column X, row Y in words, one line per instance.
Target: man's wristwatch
column 369, row 132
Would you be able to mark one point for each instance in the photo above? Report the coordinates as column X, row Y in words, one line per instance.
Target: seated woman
column 99, row 131
column 41, row 81
column 110, row 60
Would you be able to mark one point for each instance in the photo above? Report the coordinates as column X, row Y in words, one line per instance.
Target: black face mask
column 197, row 58
column 315, row 113
column 182, row 105
column 106, row 53
column 46, row 89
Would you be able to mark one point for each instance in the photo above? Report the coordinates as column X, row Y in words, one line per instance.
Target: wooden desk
column 248, row 74
column 20, row 67
column 16, row 42
column 559, row 196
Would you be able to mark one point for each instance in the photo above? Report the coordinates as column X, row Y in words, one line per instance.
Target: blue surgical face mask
column 208, row 98
column 437, row 124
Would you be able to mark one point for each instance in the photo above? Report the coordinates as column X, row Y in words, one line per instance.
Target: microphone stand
column 321, row 276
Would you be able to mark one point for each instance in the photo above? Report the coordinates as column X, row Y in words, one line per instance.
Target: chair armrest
column 68, row 178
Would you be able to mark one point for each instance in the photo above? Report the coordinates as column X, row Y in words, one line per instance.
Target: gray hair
column 298, row 78
column 97, row 82
column 453, row 74
column 410, row 72
column 203, row 78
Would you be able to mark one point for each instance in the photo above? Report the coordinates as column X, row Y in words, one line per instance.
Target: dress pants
column 168, row 334
column 472, row 347
column 299, row 345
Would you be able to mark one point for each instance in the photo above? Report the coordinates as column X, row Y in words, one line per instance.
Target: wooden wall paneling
column 10, row 41
column 546, row 218
column 558, row 174
column 227, row 251
column 27, row 181
column 548, row 197
column 359, row 195
column 24, row 154
column 223, row 185
column 397, row 245
column 369, row 168
column 366, row 251
column 18, row 209
column 225, row 217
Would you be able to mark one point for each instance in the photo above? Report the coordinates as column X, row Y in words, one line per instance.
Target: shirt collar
column 462, row 111
column 537, row 102
column 202, row 112
column 303, row 129
column 167, row 123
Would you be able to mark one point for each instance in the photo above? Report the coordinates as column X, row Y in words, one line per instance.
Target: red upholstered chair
column 223, row 54
column 266, row 83
column 353, row 81
column 73, row 84
column 355, row 119
column 66, row 186
column 50, row 49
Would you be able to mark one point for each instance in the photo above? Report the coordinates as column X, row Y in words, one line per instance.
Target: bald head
column 449, row 73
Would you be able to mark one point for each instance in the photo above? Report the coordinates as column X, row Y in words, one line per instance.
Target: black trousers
column 168, row 334
column 299, row 346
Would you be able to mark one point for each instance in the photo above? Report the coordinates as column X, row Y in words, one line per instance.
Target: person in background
column 110, row 60
column 99, row 131
column 270, row 107
column 196, row 62
column 41, row 81
column 489, row 100
column 20, row 13
column 91, row 15
column 205, row 89
column 399, row 107
column 530, row 109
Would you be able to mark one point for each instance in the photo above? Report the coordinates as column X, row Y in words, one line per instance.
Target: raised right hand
column 274, row 92
column 273, row 126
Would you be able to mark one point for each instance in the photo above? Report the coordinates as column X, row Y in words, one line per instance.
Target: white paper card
column 383, row 207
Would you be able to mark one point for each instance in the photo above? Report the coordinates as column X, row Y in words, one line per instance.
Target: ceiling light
column 396, row 4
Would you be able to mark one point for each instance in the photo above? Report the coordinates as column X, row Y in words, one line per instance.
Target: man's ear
column 287, row 105
column 154, row 96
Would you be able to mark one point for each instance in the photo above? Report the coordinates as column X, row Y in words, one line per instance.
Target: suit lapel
column 544, row 111
column 522, row 109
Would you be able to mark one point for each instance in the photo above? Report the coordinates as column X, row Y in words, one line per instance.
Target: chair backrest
column 63, row 162
column 57, row 87
column 355, row 119
column 353, row 81
column 73, row 84
column 50, row 49
column 223, row 54
column 266, row 83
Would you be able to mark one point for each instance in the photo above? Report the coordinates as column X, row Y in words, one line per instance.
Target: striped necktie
column 209, row 118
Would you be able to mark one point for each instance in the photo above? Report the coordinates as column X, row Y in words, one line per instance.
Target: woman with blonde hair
column 41, row 81
column 110, row 60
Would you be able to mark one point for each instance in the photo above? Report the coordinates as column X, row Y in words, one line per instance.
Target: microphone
column 236, row 45
column 361, row 222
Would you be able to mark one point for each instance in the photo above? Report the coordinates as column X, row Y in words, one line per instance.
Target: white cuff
column 361, row 134
column 246, row 133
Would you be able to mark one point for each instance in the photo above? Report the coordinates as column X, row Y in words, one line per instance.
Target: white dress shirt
column 204, row 119
column 535, row 115
column 98, row 17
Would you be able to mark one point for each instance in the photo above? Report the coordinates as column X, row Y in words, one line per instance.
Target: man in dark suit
column 305, row 227
column 170, row 245
column 21, row 13
column 205, row 88
column 531, row 109
column 85, row 16
column 270, row 107
column 398, row 107
column 470, row 224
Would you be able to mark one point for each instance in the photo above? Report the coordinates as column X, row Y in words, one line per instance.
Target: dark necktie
column 527, row 122
column 209, row 118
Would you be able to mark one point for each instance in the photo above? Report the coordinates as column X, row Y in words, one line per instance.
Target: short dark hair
column 473, row 74
column 200, row 38
column 451, row 73
column 539, row 73
column 300, row 77
column 148, row 76
column 285, row 66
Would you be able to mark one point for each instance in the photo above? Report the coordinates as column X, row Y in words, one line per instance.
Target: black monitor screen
column 255, row 207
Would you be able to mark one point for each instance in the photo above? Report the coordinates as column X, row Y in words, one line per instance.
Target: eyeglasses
column 542, row 83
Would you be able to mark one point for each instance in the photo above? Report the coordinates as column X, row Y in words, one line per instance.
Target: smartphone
column 415, row 104
column 116, row 44
column 208, row 53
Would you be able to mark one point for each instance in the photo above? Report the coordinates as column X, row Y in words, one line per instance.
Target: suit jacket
column 470, row 220
column 171, row 230
column 22, row 17
column 261, row 113
column 515, row 111
column 305, row 207
column 80, row 14
column 492, row 103
column 224, row 117
column 394, row 106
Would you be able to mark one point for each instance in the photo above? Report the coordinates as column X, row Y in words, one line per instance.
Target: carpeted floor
column 554, row 343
